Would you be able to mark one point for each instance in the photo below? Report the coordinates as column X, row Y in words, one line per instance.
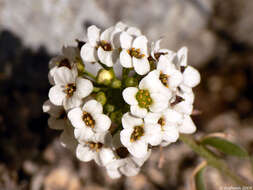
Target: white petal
column 165, row 65
column 159, row 102
column 170, row 133
column 58, row 124
column 125, row 59
column 151, row 82
column 153, row 134
column 51, row 75
column 93, row 35
column 191, row 77
column 83, row 87
column 56, row 95
column 68, row 141
column 114, row 174
column 138, row 149
column 138, row 111
column 121, row 26
column 188, row 126
column 52, row 109
column 141, row 66
column 129, row 121
column 106, row 35
column 172, row 116
column 84, row 154
column 130, row 169
column 129, row 95
column 75, row 117
column 93, row 106
column 105, row 156
column 182, row 56
column 175, row 79
column 72, row 102
column 183, row 107
column 133, row 31
column 63, row 76
column 83, row 134
column 88, row 53
column 141, row 43
column 126, row 40
column 125, row 135
column 152, row 118
column 105, row 57
column 102, row 122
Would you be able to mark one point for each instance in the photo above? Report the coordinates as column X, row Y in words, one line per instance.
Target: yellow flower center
column 88, row 120
column 133, row 52
column 161, row 122
column 70, row 89
column 137, row 133
column 164, row 79
column 143, row 98
column 95, row 146
column 105, row 45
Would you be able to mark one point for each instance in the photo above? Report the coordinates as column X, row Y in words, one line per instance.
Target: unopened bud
column 116, row 83
column 101, row 98
column 105, row 76
column 131, row 81
column 109, row 108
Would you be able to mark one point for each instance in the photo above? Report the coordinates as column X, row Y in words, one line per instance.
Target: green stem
column 212, row 160
column 89, row 75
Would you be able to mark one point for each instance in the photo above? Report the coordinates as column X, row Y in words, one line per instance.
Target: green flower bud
column 80, row 67
column 116, row 83
column 101, row 98
column 109, row 108
column 116, row 116
column 105, row 76
column 131, row 81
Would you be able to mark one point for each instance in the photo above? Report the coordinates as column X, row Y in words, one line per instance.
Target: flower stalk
column 212, row 160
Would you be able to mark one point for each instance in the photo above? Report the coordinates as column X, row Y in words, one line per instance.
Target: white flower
column 69, row 90
column 89, row 120
column 145, row 98
column 183, row 100
column 99, row 46
column 136, row 135
column 124, row 163
column 97, row 148
column 69, row 58
column 134, row 53
column 58, row 117
column 156, row 51
column 168, row 122
column 191, row 76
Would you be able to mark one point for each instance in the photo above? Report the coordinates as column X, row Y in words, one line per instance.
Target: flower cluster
column 117, row 95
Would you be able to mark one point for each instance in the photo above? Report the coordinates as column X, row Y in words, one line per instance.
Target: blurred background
column 219, row 35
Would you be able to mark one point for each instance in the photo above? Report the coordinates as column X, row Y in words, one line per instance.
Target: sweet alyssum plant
column 117, row 95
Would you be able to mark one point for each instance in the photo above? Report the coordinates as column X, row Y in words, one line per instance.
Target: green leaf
column 199, row 181
column 225, row 146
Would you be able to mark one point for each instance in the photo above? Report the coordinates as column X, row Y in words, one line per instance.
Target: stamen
column 164, row 79
column 70, row 89
column 95, row 146
column 122, row 152
column 177, row 100
column 135, row 53
column 105, row 45
column 161, row 122
column 88, row 120
column 64, row 63
column 158, row 54
column 137, row 133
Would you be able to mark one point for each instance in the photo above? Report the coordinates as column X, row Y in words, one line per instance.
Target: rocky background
column 219, row 35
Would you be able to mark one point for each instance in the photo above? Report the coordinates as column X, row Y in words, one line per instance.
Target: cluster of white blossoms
column 116, row 96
